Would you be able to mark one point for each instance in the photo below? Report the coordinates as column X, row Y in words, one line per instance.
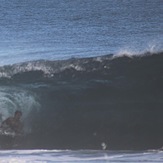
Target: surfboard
column 7, row 132
column 9, row 139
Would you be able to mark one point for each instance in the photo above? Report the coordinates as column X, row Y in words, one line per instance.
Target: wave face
column 96, row 103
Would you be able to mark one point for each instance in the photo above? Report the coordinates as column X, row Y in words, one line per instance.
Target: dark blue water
column 102, row 102
column 88, row 77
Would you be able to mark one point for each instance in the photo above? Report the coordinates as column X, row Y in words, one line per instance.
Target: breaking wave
column 108, row 101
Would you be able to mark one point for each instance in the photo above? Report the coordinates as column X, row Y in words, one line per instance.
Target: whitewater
column 87, row 76
column 36, row 156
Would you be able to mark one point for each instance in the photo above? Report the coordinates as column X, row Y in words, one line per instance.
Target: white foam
column 35, row 156
column 130, row 51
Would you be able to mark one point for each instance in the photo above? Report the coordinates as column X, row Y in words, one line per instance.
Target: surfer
column 13, row 123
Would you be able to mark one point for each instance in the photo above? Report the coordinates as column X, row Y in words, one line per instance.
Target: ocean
column 88, row 78
column 83, row 156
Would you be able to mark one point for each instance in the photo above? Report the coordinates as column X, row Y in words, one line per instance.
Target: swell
column 91, row 102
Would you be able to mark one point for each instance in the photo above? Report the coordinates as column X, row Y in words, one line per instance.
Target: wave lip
column 44, row 68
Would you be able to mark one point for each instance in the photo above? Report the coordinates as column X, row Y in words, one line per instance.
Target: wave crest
column 33, row 70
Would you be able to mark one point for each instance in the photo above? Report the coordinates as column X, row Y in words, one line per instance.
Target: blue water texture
column 53, row 29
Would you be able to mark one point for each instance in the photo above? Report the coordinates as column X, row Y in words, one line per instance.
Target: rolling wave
column 107, row 101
